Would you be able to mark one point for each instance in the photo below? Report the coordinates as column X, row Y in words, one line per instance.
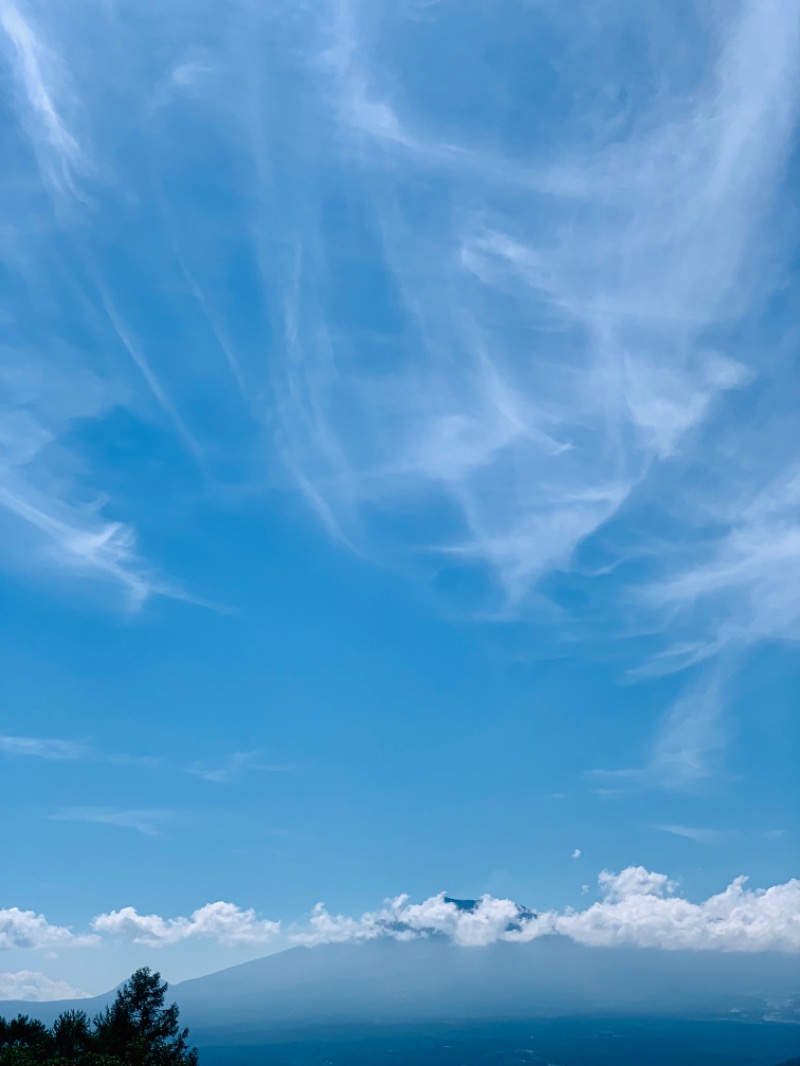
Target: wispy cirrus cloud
column 45, row 514
column 542, row 355
column 58, row 749
column 699, row 836
column 237, row 765
column 48, row 748
column 562, row 351
column 226, row 770
column 52, row 512
column 36, row 69
column 690, row 740
column 149, row 376
column 494, row 339
column 532, row 427
column 147, row 821
column 740, row 585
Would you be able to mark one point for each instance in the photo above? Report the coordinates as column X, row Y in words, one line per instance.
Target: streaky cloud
column 237, row 765
column 530, row 428
column 559, row 345
column 690, row 740
column 698, row 835
column 147, row 821
column 58, row 150
column 48, row 748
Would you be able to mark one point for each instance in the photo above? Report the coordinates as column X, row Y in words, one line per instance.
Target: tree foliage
column 137, row 1029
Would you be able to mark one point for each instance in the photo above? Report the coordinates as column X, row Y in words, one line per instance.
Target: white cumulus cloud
column 27, row 929
column 638, row 908
column 36, row 987
column 220, row 921
column 482, row 924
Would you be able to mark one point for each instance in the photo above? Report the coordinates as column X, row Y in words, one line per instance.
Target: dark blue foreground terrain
column 565, row 1042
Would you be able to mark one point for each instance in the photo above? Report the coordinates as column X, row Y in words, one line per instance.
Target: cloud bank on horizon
column 636, row 908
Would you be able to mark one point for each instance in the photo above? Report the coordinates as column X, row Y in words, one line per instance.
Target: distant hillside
column 428, row 985
column 387, row 980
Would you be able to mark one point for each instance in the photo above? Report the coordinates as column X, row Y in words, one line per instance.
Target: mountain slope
column 369, row 986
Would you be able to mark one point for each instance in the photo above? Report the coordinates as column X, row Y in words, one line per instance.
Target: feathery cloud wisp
column 51, row 749
column 689, row 741
column 35, row 67
column 550, row 343
column 699, row 836
column 237, row 765
column 47, row 521
column 543, row 387
column 147, row 821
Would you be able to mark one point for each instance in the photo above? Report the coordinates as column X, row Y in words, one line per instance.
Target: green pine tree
column 139, row 1030
column 136, row 1030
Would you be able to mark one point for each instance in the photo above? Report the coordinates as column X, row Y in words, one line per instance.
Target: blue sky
column 399, row 473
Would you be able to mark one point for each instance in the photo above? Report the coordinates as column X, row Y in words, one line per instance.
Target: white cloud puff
column 36, row 987
column 220, row 921
column 482, row 924
column 634, row 881
column 26, row 929
column 639, row 908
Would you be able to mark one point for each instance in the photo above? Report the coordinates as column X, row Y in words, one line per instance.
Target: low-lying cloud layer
column 636, row 908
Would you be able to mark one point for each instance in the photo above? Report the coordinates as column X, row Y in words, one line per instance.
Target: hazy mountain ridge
column 387, row 981
column 391, row 1000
